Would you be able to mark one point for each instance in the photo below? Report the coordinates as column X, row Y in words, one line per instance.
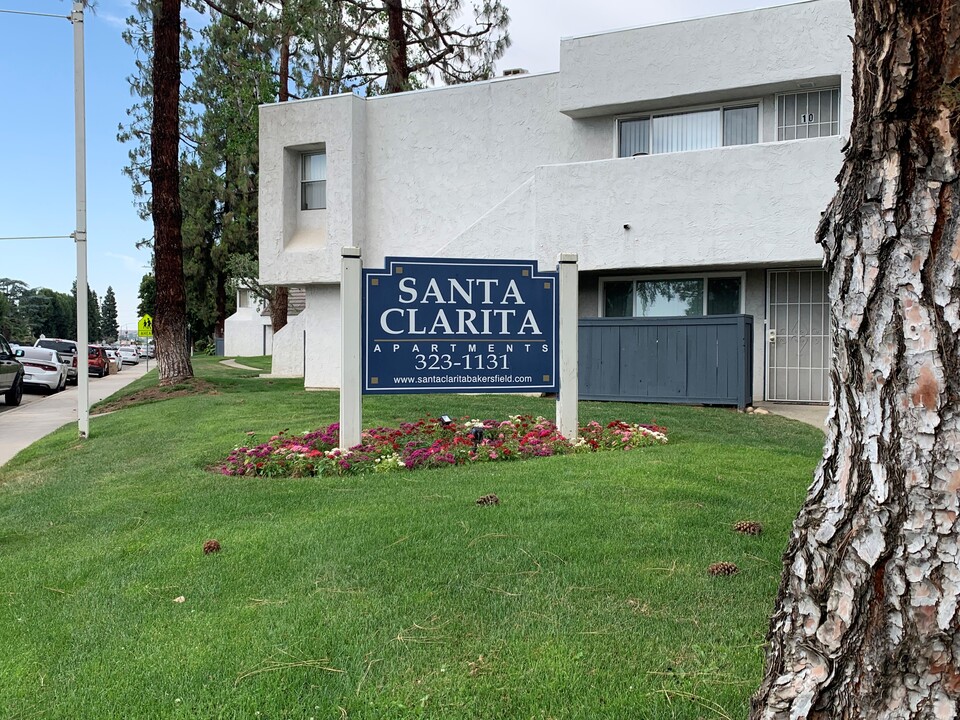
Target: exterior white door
column 798, row 336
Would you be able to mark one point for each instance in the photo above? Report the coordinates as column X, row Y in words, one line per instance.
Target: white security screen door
column 798, row 336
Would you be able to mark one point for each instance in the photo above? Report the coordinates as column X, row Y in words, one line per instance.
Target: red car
column 98, row 361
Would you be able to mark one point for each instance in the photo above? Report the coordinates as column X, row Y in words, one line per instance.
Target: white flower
column 386, row 463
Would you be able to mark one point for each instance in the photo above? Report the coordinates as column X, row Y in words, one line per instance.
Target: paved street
column 40, row 414
column 30, row 396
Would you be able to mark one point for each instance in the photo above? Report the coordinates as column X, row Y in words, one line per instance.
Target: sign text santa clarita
column 435, row 325
column 504, row 316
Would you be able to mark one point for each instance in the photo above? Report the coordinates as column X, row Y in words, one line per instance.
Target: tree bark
column 170, row 323
column 283, row 93
column 279, row 301
column 866, row 623
column 398, row 70
column 221, row 304
column 281, row 294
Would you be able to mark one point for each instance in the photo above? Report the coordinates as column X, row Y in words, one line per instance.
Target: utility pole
column 80, row 235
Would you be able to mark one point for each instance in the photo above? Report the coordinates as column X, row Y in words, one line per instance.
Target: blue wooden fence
column 688, row 360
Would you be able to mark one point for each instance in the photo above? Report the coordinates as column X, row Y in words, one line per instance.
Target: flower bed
column 429, row 444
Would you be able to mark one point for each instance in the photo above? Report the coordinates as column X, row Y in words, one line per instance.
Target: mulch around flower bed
column 192, row 386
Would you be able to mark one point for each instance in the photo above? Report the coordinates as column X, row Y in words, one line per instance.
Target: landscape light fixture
column 445, row 420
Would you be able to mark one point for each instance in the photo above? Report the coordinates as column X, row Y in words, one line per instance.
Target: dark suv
column 11, row 374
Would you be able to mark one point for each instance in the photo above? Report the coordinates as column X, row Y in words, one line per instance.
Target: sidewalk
column 815, row 415
column 22, row 426
column 231, row 363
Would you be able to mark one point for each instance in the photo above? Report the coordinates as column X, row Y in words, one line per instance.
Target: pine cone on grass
column 490, row 499
column 748, row 527
column 211, row 546
column 720, row 569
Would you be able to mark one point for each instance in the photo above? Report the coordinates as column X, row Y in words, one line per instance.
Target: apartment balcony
column 705, row 60
column 748, row 205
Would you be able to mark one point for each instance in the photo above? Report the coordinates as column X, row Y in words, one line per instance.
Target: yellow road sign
column 145, row 326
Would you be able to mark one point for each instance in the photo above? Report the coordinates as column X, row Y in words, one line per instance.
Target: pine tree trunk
column 398, row 71
column 278, row 307
column 221, row 305
column 170, row 323
column 866, row 623
column 278, row 300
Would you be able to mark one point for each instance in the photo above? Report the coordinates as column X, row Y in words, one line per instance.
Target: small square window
column 741, row 125
column 313, row 181
column 808, row 114
column 634, row 137
column 723, row 295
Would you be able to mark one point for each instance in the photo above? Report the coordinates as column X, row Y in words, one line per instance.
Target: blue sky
column 37, row 132
column 37, row 192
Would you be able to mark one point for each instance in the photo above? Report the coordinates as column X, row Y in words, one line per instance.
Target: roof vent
column 514, row 71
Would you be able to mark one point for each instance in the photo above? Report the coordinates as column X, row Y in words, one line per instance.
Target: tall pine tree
column 93, row 314
column 94, row 323
column 170, row 324
column 108, row 317
column 154, row 131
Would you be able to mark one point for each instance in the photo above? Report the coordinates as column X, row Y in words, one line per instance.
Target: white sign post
column 569, row 395
column 351, row 401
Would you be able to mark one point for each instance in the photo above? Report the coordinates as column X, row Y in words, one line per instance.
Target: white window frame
column 676, row 276
column 301, row 156
column 692, row 109
column 801, row 91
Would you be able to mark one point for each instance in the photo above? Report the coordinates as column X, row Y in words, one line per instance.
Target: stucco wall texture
column 699, row 59
column 527, row 166
column 247, row 333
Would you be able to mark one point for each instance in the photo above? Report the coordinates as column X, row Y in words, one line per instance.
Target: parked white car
column 68, row 354
column 42, row 368
column 129, row 355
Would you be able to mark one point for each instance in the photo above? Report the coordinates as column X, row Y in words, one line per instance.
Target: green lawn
column 583, row 595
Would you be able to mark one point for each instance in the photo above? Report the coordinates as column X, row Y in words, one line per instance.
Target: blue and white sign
column 443, row 325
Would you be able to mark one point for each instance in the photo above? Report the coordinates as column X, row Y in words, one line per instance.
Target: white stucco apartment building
column 248, row 331
column 686, row 164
